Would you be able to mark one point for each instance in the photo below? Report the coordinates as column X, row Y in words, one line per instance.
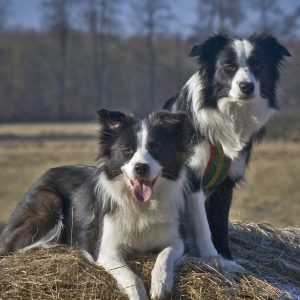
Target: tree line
column 83, row 58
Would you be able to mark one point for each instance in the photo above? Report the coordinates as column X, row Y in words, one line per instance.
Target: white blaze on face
column 142, row 188
column 243, row 50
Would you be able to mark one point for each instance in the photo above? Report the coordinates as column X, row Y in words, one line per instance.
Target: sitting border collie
column 229, row 100
column 131, row 202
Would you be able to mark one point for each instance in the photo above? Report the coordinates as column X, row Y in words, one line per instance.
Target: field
column 270, row 195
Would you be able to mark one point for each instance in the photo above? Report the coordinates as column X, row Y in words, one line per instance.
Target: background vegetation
column 129, row 55
column 84, row 57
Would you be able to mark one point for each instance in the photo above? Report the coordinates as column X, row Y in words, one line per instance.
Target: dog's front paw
column 231, row 266
column 161, row 283
column 225, row 265
column 136, row 291
column 206, row 248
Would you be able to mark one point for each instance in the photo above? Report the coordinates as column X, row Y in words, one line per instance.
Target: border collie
column 229, row 100
column 131, row 202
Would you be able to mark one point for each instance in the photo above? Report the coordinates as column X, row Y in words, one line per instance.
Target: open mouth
column 142, row 189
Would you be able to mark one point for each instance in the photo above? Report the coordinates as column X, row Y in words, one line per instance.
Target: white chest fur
column 201, row 155
column 142, row 226
column 138, row 236
column 233, row 123
column 238, row 167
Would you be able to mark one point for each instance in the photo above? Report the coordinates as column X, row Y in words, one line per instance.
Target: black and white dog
column 230, row 99
column 131, row 202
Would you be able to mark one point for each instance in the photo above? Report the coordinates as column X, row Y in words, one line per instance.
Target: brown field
column 271, row 193
column 46, row 129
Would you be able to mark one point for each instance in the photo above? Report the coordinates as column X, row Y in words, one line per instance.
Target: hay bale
column 271, row 256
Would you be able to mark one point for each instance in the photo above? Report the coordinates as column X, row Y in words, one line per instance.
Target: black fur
column 269, row 54
column 65, row 193
column 217, row 209
column 68, row 194
column 207, row 54
column 217, row 67
column 68, row 198
column 173, row 132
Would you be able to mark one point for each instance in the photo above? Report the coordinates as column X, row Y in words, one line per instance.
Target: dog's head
column 240, row 70
column 142, row 152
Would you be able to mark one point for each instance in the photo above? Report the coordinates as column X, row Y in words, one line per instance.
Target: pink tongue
column 142, row 189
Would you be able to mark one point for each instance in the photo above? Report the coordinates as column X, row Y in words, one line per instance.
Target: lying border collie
column 229, row 100
column 131, row 202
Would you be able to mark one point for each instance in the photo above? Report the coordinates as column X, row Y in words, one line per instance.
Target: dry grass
column 271, row 257
column 270, row 195
column 39, row 130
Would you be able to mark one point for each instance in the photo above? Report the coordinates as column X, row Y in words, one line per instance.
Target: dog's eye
column 256, row 66
column 155, row 148
column 127, row 151
column 230, row 67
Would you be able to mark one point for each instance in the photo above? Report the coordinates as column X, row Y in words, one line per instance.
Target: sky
column 28, row 14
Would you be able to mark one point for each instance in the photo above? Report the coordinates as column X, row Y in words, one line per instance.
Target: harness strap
column 217, row 168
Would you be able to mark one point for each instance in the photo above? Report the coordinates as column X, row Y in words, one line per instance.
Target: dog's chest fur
column 232, row 124
column 140, row 226
column 199, row 161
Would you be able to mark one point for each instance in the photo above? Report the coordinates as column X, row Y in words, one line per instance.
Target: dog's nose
column 246, row 87
column 141, row 169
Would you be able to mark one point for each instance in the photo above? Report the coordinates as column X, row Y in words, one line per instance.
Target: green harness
column 217, row 168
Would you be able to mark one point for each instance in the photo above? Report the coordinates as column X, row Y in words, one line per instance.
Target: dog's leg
column 111, row 258
column 218, row 214
column 129, row 283
column 163, row 271
column 203, row 235
column 196, row 210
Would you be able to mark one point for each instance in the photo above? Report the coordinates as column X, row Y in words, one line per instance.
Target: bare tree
column 92, row 19
column 218, row 15
column 102, row 18
column 268, row 10
column 5, row 6
column 291, row 24
column 178, row 60
column 274, row 19
column 57, row 19
column 150, row 18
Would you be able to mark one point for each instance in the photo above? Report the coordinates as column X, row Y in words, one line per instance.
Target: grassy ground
column 47, row 129
column 271, row 193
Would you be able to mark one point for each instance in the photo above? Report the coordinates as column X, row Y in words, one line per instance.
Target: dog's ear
column 210, row 48
column 112, row 124
column 175, row 122
column 207, row 54
column 111, row 121
column 272, row 47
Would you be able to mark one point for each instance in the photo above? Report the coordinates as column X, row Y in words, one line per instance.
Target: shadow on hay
column 269, row 254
